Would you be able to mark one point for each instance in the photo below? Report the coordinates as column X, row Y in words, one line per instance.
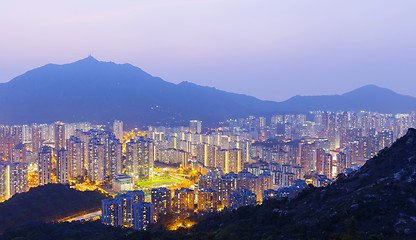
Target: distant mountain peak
column 369, row 90
column 89, row 59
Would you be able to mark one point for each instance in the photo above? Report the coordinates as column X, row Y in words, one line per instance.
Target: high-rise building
column 235, row 160
column 59, row 135
column 13, row 179
column 227, row 184
column 342, row 163
column 162, row 202
column 118, row 212
column 110, row 213
column 320, row 161
column 113, row 153
column 125, row 208
column 143, row 215
column 140, row 158
column 195, row 126
column 36, row 138
column 45, row 165
column 137, row 196
column 76, row 150
column 240, row 198
column 63, row 166
column 18, row 178
column 118, row 129
column 19, row 153
column 4, row 181
column 96, row 154
column 327, row 165
column 208, row 200
column 183, row 203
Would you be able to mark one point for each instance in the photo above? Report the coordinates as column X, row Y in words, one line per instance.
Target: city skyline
column 318, row 46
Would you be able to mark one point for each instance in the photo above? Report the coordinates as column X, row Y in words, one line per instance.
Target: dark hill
column 51, row 202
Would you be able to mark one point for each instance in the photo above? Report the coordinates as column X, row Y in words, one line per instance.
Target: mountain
column 369, row 98
column 90, row 90
column 375, row 202
column 96, row 91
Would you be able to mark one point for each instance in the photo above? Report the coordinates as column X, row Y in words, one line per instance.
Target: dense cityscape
column 174, row 174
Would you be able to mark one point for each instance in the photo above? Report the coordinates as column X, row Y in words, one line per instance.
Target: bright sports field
column 157, row 181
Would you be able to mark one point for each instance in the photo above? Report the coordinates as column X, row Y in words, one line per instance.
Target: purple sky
column 271, row 49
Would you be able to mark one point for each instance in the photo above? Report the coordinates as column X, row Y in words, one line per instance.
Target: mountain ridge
column 97, row 91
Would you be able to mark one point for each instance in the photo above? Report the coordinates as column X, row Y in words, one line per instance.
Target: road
column 87, row 217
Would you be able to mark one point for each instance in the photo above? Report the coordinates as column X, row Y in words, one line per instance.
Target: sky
column 270, row 49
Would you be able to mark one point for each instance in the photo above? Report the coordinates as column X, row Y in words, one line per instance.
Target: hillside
column 96, row 91
column 375, row 202
column 51, row 202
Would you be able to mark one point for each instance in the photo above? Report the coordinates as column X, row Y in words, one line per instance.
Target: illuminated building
column 113, row 152
column 208, row 181
column 305, row 162
column 143, row 215
column 249, row 181
column 234, row 160
column 118, row 212
column 19, row 153
column 59, row 135
column 327, row 165
column 174, row 156
column 4, row 181
column 110, row 213
column 137, row 196
column 13, row 179
column 75, row 149
column 240, row 198
column 18, row 178
column 269, row 194
column 118, row 129
column 265, row 181
column 140, row 158
column 45, row 165
column 320, row 161
column 222, row 159
column 227, row 184
column 122, row 183
column 195, row 126
column 96, row 160
column 162, row 202
column 125, row 208
column 183, row 203
column 63, row 166
column 342, row 162
column 207, row 200
column 5, row 142
column 36, row 138
column 385, row 139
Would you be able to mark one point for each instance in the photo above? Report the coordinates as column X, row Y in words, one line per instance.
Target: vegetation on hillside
column 51, row 202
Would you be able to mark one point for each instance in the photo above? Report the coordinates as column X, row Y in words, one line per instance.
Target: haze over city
column 269, row 49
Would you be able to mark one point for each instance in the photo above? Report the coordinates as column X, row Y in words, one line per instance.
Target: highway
column 86, row 217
